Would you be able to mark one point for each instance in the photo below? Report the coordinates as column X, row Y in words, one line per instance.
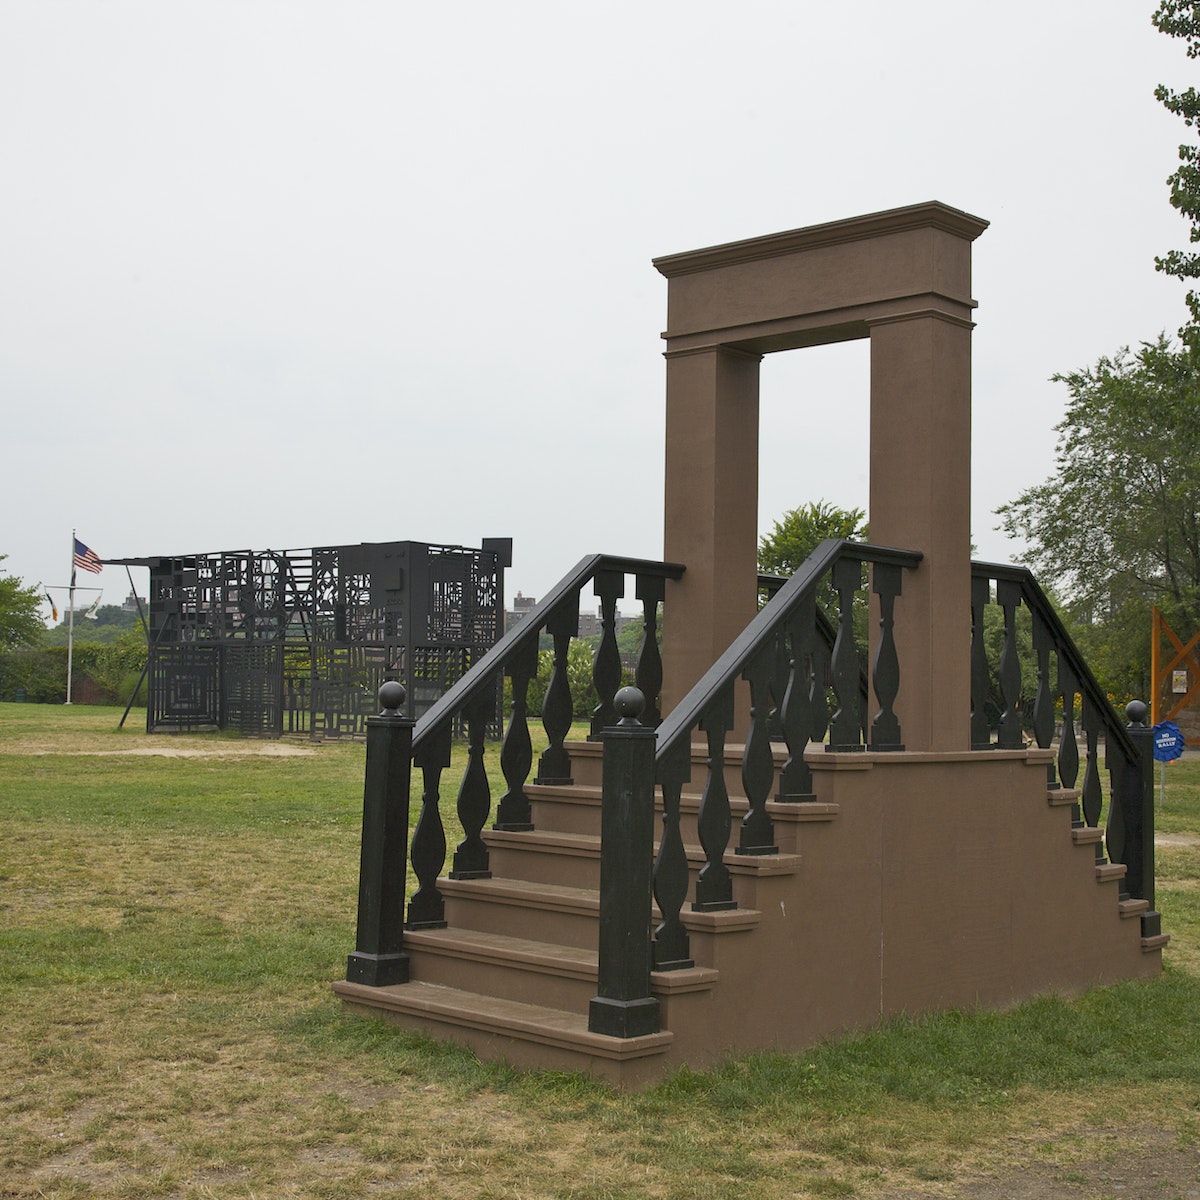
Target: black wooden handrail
column 784, row 643
column 766, row 626
column 1129, row 829
column 476, row 682
column 1039, row 604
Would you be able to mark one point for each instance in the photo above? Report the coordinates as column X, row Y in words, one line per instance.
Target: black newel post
column 1135, row 788
column 379, row 958
column 624, row 1006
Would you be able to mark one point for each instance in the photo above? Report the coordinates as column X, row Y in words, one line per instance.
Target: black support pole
column 1137, row 799
column 379, row 959
column 624, row 1007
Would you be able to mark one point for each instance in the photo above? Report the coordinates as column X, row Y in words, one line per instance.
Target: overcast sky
column 277, row 275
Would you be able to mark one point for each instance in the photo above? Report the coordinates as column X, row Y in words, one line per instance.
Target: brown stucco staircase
column 887, row 895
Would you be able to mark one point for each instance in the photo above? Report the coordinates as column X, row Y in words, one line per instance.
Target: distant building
column 132, row 602
column 522, row 606
column 589, row 622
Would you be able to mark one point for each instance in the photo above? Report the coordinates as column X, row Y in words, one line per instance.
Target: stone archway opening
column 822, row 394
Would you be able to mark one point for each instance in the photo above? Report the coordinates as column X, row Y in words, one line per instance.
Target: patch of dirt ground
column 225, row 750
column 1144, row 1164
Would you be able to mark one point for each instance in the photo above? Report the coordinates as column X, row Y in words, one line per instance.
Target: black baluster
column 1008, row 596
column 885, row 729
column 758, row 760
column 379, row 959
column 1043, row 702
column 623, row 1006
column 671, row 948
column 554, row 766
column 796, row 716
column 781, row 673
column 1092, row 794
column 606, row 667
column 474, row 796
column 981, row 595
column 822, row 681
column 650, row 591
column 714, row 887
column 1068, row 747
column 516, row 754
column 426, row 909
column 845, row 727
column 1116, row 839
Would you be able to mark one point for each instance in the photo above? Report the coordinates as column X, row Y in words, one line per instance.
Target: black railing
column 1129, row 829
column 473, row 700
column 793, row 660
column 786, row 658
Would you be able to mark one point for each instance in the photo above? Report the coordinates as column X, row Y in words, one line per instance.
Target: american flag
column 86, row 559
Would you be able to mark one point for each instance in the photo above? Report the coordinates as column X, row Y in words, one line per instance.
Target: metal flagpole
column 71, row 618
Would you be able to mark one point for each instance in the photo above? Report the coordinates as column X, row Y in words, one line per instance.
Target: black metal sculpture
column 299, row 641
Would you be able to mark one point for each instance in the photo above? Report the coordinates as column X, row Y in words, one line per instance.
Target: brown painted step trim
column 1087, row 836
column 544, row 841
column 549, row 958
column 727, row 920
column 525, row 894
column 1151, row 944
column 757, row 865
column 1133, row 908
column 1110, row 872
column 556, row 791
column 583, row 845
column 804, row 810
column 502, row 1018
column 584, row 902
column 780, row 810
column 500, row 949
column 1062, row 796
column 675, row 983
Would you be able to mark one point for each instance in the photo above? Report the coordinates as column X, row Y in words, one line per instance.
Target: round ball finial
column 1136, row 711
column 391, row 696
column 630, row 704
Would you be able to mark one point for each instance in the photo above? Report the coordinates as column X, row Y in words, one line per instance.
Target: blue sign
column 1168, row 742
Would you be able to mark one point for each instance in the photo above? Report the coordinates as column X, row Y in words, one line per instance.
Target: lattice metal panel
column 346, row 681
column 304, row 635
column 183, row 688
column 252, row 687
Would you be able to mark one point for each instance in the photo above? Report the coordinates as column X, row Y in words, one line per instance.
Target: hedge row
column 100, row 674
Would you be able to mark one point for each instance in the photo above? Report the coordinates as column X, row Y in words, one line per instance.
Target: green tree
column 1180, row 19
column 797, row 534
column 801, row 530
column 1117, row 527
column 1119, row 520
column 20, row 612
column 109, row 625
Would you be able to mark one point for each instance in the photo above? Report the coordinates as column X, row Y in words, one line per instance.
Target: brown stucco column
column 711, row 509
column 920, row 500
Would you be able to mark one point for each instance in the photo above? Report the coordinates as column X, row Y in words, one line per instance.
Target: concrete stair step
column 587, row 762
column 524, row 969
column 568, row 916
column 563, row 915
column 525, row 1034
column 559, row 809
column 573, row 859
column 501, row 965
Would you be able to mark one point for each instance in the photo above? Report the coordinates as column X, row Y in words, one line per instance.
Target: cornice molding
column 930, row 215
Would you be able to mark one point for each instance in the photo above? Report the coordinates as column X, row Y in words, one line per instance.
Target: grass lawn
column 173, row 909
